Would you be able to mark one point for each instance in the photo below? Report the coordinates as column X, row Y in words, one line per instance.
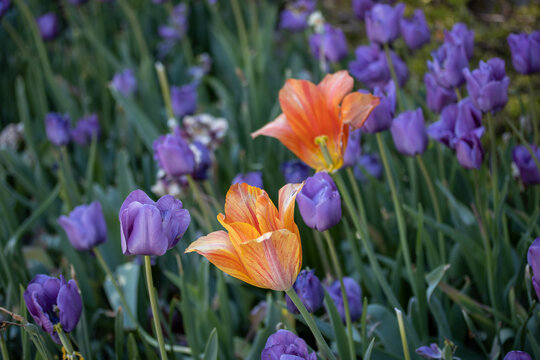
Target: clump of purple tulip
column 409, row 133
column 309, row 290
column 415, row 31
column 437, row 96
column 284, row 344
column 295, row 16
column 330, row 45
column 488, row 85
column 371, row 66
column 86, row 129
column 381, row 117
column 529, row 172
column 85, row 226
column 354, row 297
column 382, row 22
column 461, row 35
column 525, row 49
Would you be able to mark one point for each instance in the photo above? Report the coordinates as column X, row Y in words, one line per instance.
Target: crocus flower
column 295, row 16
column 517, row 355
column 360, row 7
column 380, row 118
column 461, row 35
column 86, row 129
column 354, row 148
column 313, row 111
column 533, row 258
column 319, row 202
column 174, row 155
column 525, row 49
column 488, row 85
column 370, row 164
column 295, row 171
column 151, row 228
column 51, row 301
column 309, row 290
column 4, row 7
column 430, row 352
column 184, row 100
column 448, row 64
column 330, row 44
column 382, row 22
column 262, row 246
column 415, row 31
column 48, row 26
column 469, row 151
column 284, row 345
column 125, row 82
column 85, row 227
column 371, row 66
column 253, row 178
column 409, row 133
column 58, row 128
column 528, row 171
column 437, row 97
column 354, row 297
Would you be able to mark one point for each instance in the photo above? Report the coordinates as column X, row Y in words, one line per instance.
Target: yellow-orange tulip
column 311, row 111
column 262, row 246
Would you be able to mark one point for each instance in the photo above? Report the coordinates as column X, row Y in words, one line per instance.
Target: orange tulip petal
column 287, row 197
column 217, row 248
column 267, row 215
column 273, row 260
column 240, row 203
column 240, row 232
column 335, row 87
column 356, row 108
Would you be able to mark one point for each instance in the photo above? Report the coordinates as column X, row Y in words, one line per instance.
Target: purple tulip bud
column 4, row 7
column 525, row 49
column 184, row 100
column 354, row 296
column 528, row 171
column 125, row 82
column 361, row 7
column 177, row 24
column 469, row 151
column 309, row 290
column 174, row 155
column 415, row 31
column 295, row 171
column 430, row 352
column 354, row 148
column 517, row 355
column 468, row 120
column 371, row 67
column 437, row 97
column 369, row 164
column 319, row 202
column 48, row 26
column 380, row 118
column 86, row 129
column 330, row 44
column 85, row 227
column 295, row 16
column 533, row 258
column 285, row 345
column 203, row 160
column 461, row 35
column 488, row 85
column 443, row 130
column 253, row 178
column 409, row 133
column 151, row 228
column 448, row 64
column 51, row 301
column 58, row 128
column 382, row 22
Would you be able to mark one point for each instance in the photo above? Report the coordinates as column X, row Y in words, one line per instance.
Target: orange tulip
column 311, row 111
column 262, row 246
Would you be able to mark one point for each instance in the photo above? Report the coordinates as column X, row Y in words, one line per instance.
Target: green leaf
column 119, row 333
column 127, row 276
column 133, row 351
column 434, row 278
column 337, row 325
column 211, row 349
column 367, row 355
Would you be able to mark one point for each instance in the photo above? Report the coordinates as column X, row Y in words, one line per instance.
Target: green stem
column 311, row 324
column 494, row 182
column 164, row 84
column 322, row 252
column 3, row 348
column 66, row 343
column 394, row 76
column 198, row 198
column 339, row 274
column 357, row 194
column 403, row 335
column 533, row 109
column 153, row 304
column 524, row 142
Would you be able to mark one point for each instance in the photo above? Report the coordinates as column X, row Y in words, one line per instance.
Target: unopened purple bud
column 461, row 35
column 382, row 22
column 354, row 297
column 448, row 63
column 58, row 128
column 354, row 148
column 184, row 100
column 468, row 120
column 488, row 85
column 86, row 129
column 369, row 164
column 203, row 160
column 174, row 155
column 361, row 7
column 48, row 26
column 517, row 355
column 371, row 67
column 285, row 345
column 409, row 133
column 430, row 352
column 528, row 170
column 330, row 44
column 533, row 258
column 253, row 178
column 437, row 96
column 415, row 31
column 309, row 290
column 443, row 130
column 85, row 227
column 380, row 118
column 525, row 49
column 469, row 151
column 4, row 7
column 125, row 82
column 295, row 16
column 295, row 171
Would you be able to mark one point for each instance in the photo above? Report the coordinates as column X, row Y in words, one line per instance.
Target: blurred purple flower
column 430, row 352
column 184, row 100
column 415, row 31
column 443, row 129
column 409, row 133
column 174, row 155
column 253, row 178
column 381, row 117
column 295, row 16
column 85, row 227
column 86, row 129
column 360, row 7
column 4, row 7
column 125, row 82
column 159, row 1
column 48, row 25
column 371, row 67
column 354, row 148
column 488, row 85
column 448, row 64
column 469, row 151
column 370, row 164
column 285, row 345
column 295, row 171
column 204, row 64
column 533, row 258
column 151, row 228
column 330, row 44
column 437, row 96
column 461, row 35
column 517, row 355
column 309, row 290
column 382, row 22
column 528, row 171
column 77, row 2
column 525, row 49
column 319, row 202
column 203, row 160
column 354, row 296
column 58, row 128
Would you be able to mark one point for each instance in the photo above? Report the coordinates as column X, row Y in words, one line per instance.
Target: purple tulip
column 51, row 301
column 86, row 129
column 437, row 97
column 319, row 202
column 295, row 16
column 369, row 164
column 85, row 227
column 488, row 85
column 125, row 82
column 468, row 120
column 528, row 171
column 381, row 117
column 443, row 130
column 285, row 345
column 203, row 160
column 48, row 26
column 354, row 148
column 533, row 258
column 469, row 151
column 354, row 297
column 77, row 2
column 177, row 24
column 151, row 228
column 360, row 7
column 517, row 355
column 382, row 22
column 253, row 178
column 409, row 133
column 184, row 100
column 174, row 155
column 58, row 128
column 525, row 49
column 309, row 290
column 371, row 66
column 461, row 35
column 295, row 171
column 4, row 7
column 330, row 44
column 415, row 31
column 448, row 64
column 430, row 352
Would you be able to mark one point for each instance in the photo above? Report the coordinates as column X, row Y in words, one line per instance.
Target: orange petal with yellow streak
column 240, row 203
column 239, row 232
column 356, row 108
column 335, row 87
column 287, row 197
column 267, row 215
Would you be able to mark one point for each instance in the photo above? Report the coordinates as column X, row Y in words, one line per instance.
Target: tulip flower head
column 85, row 227
column 48, row 26
column 184, row 100
column 488, row 85
column 58, row 128
column 415, row 31
column 253, row 178
column 309, row 290
column 525, row 49
column 174, row 155
column 517, row 355
column 382, row 22
column 409, row 133
column 469, row 152
column 262, row 244
column 361, row 7
column 381, row 117
column 330, row 45
column 371, row 66
column 460, row 35
column 4, row 7
column 447, row 65
column 528, row 170
column 354, row 296
column 313, row 111
column 437, row 96
column 533, row 258
column 86, row 129
column 295, row 171
column 284, row 345
column 125, row 82
column 295, row 16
